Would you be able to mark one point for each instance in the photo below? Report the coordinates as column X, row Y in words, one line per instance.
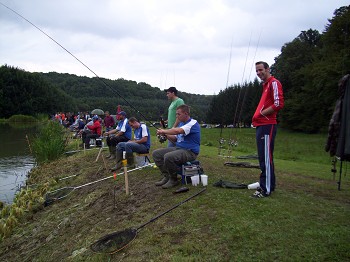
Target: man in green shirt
column 172, row 121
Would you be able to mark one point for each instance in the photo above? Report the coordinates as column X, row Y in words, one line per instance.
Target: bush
column 21, row 119
column 50, row 143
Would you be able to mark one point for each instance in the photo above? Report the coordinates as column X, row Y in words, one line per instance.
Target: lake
column 15, row 158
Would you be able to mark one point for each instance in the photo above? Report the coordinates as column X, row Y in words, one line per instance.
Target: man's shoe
column 259, row 194
column 170, row 183
column 162, row 182
column 112, row 157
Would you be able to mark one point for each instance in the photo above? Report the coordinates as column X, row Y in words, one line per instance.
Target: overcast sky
column 182, row 43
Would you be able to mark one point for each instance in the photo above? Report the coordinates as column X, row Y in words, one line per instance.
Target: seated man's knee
column 121, row 146
column 170, row 158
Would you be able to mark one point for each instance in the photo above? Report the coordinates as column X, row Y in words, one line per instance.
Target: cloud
column 186, row 43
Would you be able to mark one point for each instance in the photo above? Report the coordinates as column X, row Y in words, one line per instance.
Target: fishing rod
column 234, row 142
column 70, row 53
column 63, row 192
column 250, row 73
column 221, row 139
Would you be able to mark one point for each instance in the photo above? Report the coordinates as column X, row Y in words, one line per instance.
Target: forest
column 28, row 93
column 309, row 68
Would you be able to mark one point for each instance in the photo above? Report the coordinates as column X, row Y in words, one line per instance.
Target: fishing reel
column 233, row 143
column 162, row 138
column 222, row 141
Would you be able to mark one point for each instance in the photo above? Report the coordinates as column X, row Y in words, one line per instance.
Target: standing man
column 122, row 133
column 265, row 121
column 187, row 139
column 172, row 121
column 108, row 121
column 140, row 144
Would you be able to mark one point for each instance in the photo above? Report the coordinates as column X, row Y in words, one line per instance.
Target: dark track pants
column 265, row 140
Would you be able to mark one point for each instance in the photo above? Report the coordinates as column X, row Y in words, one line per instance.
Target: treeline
column 28, row 93
column 309, row 68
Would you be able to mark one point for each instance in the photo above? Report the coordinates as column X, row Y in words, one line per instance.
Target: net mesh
column 114, row 242
column 242, row 164
column 51, row 197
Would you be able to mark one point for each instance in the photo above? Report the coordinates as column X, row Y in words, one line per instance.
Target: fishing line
column 250, row 73
column 221, row 139
column 65, row 49
column 241, row 87
column 231, row 141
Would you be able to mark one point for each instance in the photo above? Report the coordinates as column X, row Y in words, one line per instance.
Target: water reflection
column 15, row 158
column 13, row 174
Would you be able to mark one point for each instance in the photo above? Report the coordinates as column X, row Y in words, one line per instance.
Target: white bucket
column 195, row 180
column 204, row 179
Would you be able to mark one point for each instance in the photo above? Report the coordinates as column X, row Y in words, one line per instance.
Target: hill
column 29, row 93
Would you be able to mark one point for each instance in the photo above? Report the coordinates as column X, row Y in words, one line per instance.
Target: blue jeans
column 130, row 147
column 171, row 144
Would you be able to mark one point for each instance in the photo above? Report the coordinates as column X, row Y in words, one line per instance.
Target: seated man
column 122, row 134
column 94, row 131
column 140, row 144
column 187, row 138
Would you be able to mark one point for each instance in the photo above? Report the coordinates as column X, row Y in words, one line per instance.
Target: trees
column 32, row 93
column 309, row 68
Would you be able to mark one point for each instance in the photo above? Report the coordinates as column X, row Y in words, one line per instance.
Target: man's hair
column 133, row 119
column 266, row 65
column 184, row 108
column 172, row 89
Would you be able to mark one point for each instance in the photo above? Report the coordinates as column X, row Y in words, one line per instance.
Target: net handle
column 102, row 179
column 167, row 211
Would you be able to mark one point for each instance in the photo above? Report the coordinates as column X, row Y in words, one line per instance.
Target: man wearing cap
column 140, row 144
column 95, row 131
column 172, row 121
column 122, row 133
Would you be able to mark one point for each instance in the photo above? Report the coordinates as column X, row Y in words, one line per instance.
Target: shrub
column 51, row 142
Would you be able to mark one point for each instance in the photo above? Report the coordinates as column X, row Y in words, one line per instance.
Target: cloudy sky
column 183, row 43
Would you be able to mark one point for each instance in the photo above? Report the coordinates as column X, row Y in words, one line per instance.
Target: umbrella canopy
column 98, row 112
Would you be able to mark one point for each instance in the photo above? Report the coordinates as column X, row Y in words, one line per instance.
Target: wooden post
column 99, row 153
column 104, row 162
column 124, row 161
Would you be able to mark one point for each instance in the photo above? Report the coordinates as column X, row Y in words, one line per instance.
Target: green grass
column 50, row 143
column 306, row 218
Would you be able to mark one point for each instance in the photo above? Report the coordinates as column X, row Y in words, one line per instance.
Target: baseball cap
column 122, row 113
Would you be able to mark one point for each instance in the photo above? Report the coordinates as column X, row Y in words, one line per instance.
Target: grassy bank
column 306, row 219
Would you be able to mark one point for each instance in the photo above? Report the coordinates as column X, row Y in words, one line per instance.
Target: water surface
column 15, row 158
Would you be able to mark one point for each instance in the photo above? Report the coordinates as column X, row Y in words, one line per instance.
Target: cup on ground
column 254, row 185
column 195, row 180
column 204, row 179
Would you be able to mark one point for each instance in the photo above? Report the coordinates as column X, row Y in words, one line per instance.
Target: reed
column 50, row 144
